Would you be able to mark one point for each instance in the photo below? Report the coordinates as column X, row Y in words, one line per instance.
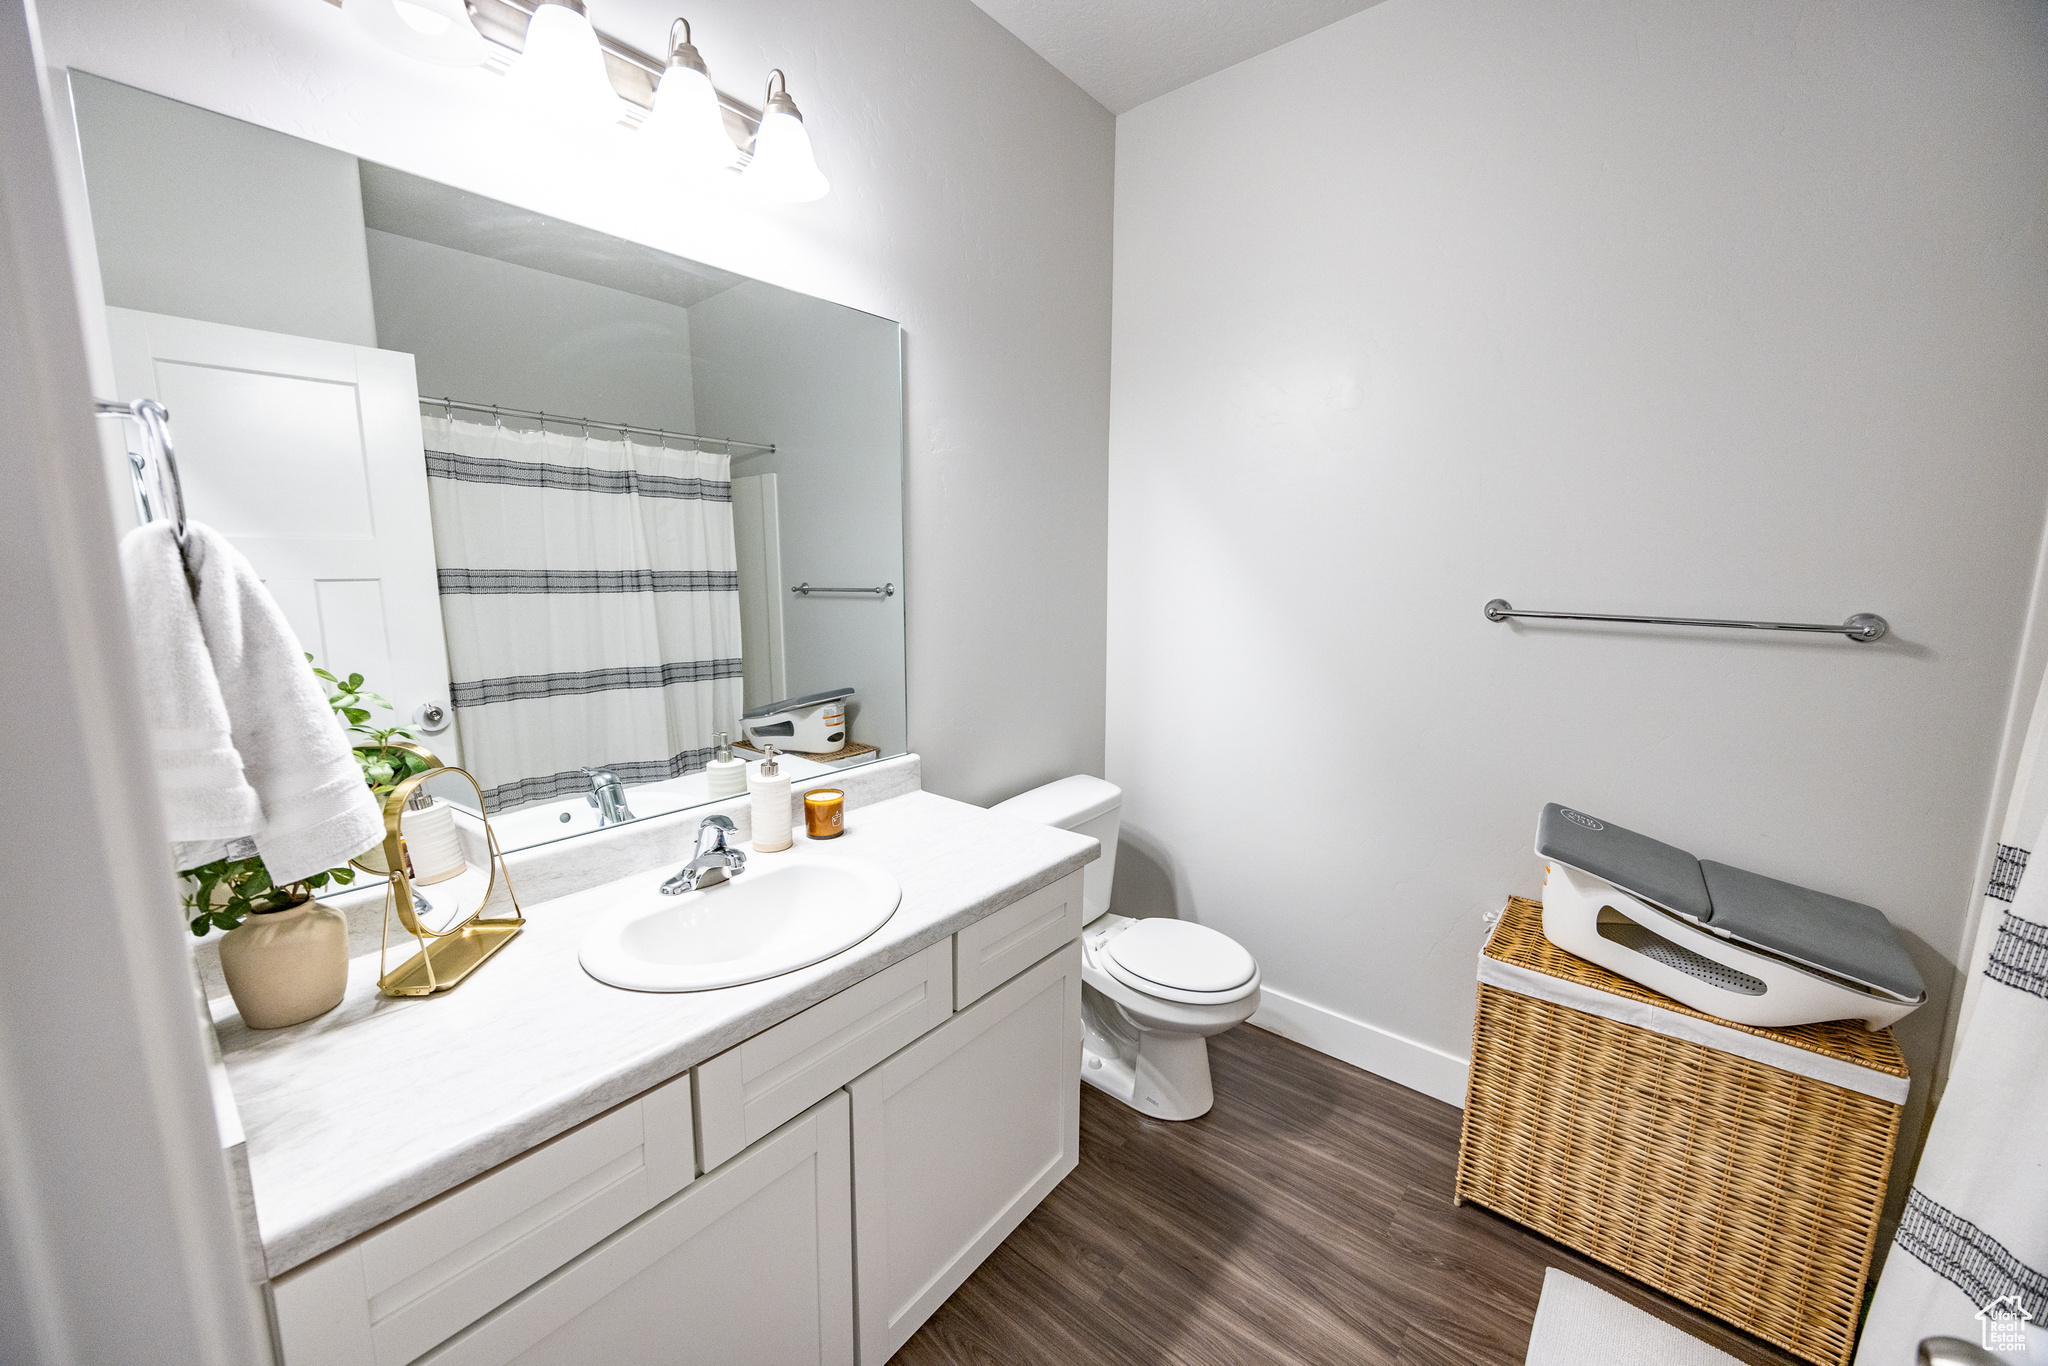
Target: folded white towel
column 317, row 811
column 207, row 800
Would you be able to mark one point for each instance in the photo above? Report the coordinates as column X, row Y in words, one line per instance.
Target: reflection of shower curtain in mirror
column 591, row 594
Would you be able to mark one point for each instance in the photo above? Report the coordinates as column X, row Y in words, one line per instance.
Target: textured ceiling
column 429, row 211
column 1125, row 52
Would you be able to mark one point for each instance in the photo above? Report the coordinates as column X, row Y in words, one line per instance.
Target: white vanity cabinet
column 880, row 1126
column 957, row 1138
column 753, row 1264
column 393, row 1293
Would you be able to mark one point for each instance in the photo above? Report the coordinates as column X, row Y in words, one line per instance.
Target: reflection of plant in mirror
column 224, row 893
column 385, row 765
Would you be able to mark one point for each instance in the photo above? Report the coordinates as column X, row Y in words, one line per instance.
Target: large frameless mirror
column 574, row 507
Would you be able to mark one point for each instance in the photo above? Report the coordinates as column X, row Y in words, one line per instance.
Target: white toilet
column 1153, row 990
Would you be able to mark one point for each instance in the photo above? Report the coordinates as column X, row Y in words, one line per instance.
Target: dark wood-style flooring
column 1306, row 1219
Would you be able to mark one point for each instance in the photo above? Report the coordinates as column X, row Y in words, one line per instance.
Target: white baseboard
column 1380, row 1052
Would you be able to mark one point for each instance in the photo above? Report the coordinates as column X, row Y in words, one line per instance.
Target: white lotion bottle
column 727, row 775
column 770, row 791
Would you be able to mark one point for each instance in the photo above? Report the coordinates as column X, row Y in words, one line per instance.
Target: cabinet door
column 956, row 1139
column 388, row 1296
column 752, row 1264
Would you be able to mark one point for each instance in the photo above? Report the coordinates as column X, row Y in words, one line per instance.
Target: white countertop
column 380, row 1104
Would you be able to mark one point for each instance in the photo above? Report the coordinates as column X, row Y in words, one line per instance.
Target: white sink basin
column 786, row 911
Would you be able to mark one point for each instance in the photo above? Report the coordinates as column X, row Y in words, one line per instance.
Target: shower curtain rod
column 499, row 410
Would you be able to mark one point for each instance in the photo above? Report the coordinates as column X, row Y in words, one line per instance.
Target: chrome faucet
column 718, row 851
column 608, row 795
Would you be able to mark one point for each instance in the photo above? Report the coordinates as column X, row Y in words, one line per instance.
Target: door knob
column 431, row 717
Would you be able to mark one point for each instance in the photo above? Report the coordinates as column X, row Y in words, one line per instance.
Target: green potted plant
column 285, row 954
column 385, row 764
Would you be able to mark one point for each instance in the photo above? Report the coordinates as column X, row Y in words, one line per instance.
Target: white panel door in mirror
column 263, row 451
column 306, row 454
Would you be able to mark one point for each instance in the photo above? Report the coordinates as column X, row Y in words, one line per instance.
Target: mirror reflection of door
column 306, row 455
column 757, row 533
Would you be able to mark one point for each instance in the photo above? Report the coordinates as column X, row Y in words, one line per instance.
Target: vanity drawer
column 996, row 948
column 395, row 1292
column 745, row 1092
column 751, row 1266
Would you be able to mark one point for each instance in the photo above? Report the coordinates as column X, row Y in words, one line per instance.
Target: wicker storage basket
column 1743, row 1189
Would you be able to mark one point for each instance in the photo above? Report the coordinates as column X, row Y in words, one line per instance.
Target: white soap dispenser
column 770, row 791
column 727, row 775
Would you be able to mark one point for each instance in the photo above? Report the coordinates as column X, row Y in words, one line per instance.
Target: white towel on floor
column 317, row 811
column 1582, row 1325
column 207, row 800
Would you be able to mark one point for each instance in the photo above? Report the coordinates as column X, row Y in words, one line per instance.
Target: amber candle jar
column 825, row 813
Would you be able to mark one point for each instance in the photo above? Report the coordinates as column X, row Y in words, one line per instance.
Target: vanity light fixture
column 686, row 117
column 563, row 65
column 555, row 57
column 437, row 31
column 784, row 167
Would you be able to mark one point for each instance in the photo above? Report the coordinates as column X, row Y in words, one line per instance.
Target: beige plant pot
column 283, row 967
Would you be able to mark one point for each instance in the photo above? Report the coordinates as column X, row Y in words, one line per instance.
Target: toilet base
column 1165, row 1076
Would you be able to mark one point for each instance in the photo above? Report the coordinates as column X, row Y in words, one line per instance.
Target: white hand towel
column 207, row 800
column 317, row 811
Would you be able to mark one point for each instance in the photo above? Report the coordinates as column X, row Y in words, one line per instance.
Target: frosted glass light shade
column 686, row 120
column 437, row 31
column 562, row 67
column 784, row 167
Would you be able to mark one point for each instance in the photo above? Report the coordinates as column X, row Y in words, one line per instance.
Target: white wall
column 823, row 384
column 971, row 202
column 203, row 218
column 488, row 331
column 117, row 1238
column 1707, row 310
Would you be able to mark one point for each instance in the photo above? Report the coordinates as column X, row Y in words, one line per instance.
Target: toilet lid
column 1182, row 956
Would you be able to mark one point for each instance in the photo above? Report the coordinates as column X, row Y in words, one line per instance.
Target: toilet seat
column 1178, row 960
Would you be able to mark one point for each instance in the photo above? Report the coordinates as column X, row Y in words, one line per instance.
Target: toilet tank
column 1087, row 806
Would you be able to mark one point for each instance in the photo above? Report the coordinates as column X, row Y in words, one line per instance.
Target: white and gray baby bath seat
column 1736, row 944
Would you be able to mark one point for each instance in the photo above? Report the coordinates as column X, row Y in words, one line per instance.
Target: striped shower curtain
column 1970, row 1259
column 591, row 594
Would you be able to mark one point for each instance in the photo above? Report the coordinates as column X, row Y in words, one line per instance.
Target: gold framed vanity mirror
column 470, row 935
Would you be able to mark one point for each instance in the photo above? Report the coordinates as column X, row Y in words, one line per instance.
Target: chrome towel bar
column 886, row 590
column 155, row 421
column 1864, row 627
